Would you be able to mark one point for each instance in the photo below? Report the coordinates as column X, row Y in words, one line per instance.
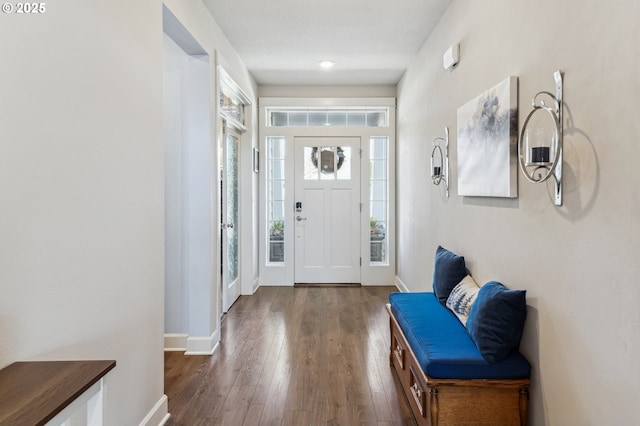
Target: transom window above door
column 331, row 117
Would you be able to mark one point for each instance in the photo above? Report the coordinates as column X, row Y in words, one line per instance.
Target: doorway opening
column 190, row 320
column 327, row 198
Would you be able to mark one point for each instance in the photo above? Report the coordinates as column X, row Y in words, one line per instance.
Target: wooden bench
column 449, row 402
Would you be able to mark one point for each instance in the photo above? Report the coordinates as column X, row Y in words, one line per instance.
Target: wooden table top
column 32, row 393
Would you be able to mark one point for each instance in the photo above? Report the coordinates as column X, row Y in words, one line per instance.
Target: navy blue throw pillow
column 448, row 271
column 496, row 320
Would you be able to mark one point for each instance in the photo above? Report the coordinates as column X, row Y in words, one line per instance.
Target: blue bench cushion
column 442, row 345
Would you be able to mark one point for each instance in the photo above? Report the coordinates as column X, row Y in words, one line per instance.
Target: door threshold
column 327, row 285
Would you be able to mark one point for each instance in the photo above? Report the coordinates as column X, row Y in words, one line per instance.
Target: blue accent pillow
column 496, row 320
column 448, row 271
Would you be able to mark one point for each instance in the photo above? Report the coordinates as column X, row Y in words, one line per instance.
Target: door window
column 327, row 163
column 232, row 206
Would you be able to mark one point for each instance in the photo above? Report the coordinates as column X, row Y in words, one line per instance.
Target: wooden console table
column 34, row 393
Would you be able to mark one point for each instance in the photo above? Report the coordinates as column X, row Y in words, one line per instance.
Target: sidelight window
column 275, row 198
column 378, row 199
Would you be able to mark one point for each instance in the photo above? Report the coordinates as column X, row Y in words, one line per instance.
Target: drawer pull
column 399, row 351
column 417, row 390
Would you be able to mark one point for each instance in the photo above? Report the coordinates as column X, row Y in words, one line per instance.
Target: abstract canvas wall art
column 487, row 143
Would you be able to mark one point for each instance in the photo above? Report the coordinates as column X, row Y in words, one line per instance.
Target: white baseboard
column 159, row 414
column 401, row 286
column 375, row 284
column 191, row 345
column 202, row 345
column 277, row 284
column 175, row 342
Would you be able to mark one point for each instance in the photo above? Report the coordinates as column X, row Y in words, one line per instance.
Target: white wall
column 579, row 262
column 82, row 189
column 81, row 178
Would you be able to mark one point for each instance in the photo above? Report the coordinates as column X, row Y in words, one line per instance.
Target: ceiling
column 371, row 41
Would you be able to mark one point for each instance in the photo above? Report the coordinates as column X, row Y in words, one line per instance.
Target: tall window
column 275, row 198
column 378, row 198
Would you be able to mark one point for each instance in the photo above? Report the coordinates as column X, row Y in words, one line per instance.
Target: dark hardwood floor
column 293, row 356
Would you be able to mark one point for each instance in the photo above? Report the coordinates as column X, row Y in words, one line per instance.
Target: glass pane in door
column 310, row 163
column 344, row 163
column 232, row 207
column 326, row 162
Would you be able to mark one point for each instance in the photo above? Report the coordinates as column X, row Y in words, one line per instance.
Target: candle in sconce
column 540, row 154
column 436, row 171
column 537, row 142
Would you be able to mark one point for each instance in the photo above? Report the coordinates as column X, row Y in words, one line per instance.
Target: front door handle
column 299, row 218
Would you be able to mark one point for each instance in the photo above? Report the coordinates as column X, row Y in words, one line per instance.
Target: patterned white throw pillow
column 462, row 297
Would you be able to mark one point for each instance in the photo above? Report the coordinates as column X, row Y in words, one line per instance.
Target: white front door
column 327, row 209
column 229, row 224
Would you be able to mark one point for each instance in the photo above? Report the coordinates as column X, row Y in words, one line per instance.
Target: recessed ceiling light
column 326, row 64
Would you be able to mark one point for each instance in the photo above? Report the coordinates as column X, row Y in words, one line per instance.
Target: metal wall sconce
column 540, row 148
column 440, row 161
